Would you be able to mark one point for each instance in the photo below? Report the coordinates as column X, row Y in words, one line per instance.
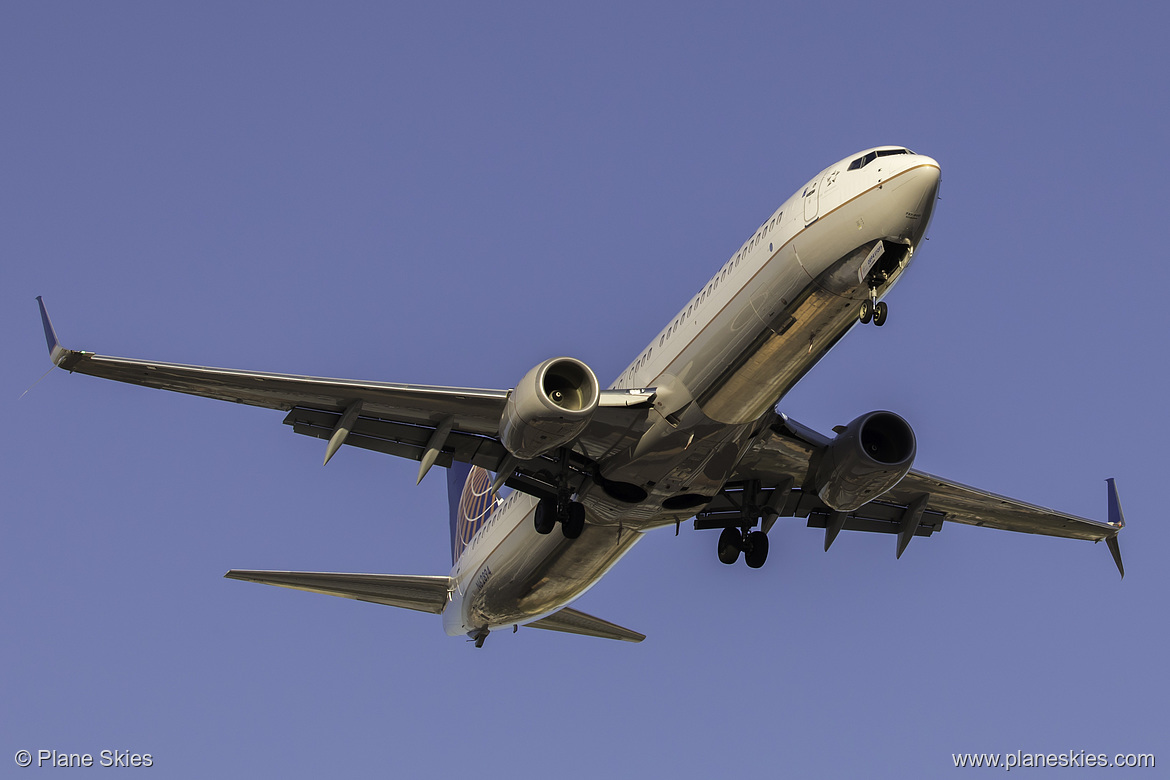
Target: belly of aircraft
column 530, row 575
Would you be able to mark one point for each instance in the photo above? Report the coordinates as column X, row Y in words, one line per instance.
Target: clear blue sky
column 448, row 196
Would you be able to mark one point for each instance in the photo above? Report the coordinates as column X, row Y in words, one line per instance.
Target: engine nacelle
column 868, row 458
column 549, row 408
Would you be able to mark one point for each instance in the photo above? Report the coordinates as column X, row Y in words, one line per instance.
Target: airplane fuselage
column 774, row 309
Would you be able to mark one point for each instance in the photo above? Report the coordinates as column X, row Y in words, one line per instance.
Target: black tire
column 757, row 549
column 574, row 522
column 865, row 313
column 545, row 517
column 729, row 543
column 879, row 314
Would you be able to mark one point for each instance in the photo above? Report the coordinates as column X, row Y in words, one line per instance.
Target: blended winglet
column 56, row 351
column 65, row 358
column 1116, row 518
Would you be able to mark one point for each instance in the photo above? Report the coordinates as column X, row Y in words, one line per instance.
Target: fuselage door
column 811, row 200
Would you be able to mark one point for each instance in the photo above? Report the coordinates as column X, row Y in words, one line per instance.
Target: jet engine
column 549, row 408
column 867, row 458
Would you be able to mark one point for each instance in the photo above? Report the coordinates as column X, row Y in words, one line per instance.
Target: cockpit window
column 861, row 162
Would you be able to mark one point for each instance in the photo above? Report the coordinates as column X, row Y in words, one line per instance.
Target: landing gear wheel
column 757, row 549
column 865, row 313
column 545, row 517
column 573, row 522
column 879, row 314
column 729, row 544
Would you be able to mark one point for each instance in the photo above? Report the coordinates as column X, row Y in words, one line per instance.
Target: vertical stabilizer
column 471, row 502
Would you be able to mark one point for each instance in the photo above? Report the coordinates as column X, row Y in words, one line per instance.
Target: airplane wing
column 972, row 506
column 917, row 506
column 424, row 594
column 433, row 425
column 571, row 621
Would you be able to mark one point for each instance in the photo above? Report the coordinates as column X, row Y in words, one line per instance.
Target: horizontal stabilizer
column 425, row 594
column 571, row 621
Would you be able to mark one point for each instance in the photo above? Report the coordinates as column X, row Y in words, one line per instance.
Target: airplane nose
column 934, row 166
column 913, row 192
column 927, row 172
column 920, row 180
column 926, row 176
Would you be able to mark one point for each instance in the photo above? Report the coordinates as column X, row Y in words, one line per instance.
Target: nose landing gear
column 872, row 309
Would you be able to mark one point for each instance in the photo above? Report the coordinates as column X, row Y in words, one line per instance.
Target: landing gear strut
column 753, row 544
column 563, row 509
column 873, row 309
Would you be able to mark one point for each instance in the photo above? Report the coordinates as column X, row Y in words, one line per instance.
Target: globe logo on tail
column 476, row 504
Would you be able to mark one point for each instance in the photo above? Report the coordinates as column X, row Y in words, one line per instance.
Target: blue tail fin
column 471, row 502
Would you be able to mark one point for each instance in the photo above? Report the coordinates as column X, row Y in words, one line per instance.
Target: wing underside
column 776, row 466
column 430, row 424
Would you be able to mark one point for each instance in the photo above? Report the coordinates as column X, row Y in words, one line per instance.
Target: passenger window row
column 699, row 299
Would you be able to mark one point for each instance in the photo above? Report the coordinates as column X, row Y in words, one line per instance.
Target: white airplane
column 689, row 429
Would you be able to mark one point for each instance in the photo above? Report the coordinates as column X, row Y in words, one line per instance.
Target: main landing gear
column 870, row 310
column 753, row 545
column 563, row 509
column 570, row 514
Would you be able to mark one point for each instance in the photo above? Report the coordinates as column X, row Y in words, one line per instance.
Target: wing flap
column 783, row 453
column 572, row 621
column 402, row 440
column 471, row 413
column 477, row 410
column 421, row 593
